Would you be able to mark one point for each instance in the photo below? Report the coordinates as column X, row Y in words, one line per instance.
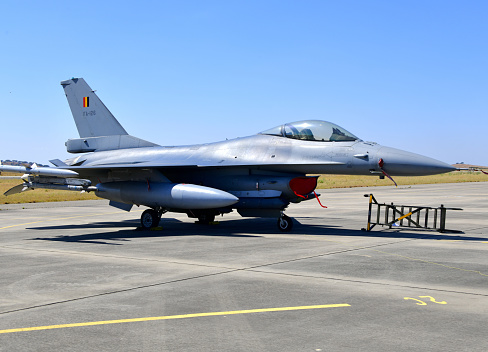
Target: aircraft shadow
column 244, row 228
column 169, row 228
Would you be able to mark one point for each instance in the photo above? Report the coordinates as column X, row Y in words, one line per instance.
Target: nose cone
column 401, row 163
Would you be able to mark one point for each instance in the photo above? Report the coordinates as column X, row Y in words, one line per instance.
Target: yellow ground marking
column 429, row 262
column 171, row 317
column 56, row 219
column 432, row 299
column 422, row 303
column 404, row 216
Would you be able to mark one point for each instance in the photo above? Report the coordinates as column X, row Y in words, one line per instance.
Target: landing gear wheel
column 206, row 219
column 149, row 219
column 285, row 223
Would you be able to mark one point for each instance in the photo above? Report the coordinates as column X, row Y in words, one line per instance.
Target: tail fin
column 99, row 130
column 92, row 117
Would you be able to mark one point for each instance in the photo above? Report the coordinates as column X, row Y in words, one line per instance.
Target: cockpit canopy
column 312, row 130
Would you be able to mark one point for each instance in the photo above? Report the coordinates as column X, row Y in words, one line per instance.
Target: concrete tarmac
column 76, row 276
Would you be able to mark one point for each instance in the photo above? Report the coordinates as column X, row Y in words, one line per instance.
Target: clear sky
column 407, row 74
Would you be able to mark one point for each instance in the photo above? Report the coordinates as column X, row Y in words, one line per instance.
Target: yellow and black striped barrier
column 406, row 216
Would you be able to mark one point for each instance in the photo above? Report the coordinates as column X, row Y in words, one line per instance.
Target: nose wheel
column 285, row 223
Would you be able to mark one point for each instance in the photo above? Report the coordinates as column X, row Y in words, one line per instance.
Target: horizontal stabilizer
column 98, row 144
column 58, row 163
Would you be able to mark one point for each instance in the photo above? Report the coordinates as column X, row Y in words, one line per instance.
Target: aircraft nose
column 398, row 162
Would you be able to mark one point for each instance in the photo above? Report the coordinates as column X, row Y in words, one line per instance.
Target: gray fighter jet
column 259, row 175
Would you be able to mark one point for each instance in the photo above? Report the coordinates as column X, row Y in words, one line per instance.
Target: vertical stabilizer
column 91, row 116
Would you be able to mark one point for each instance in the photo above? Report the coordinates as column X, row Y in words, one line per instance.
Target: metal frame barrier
column 406, row 216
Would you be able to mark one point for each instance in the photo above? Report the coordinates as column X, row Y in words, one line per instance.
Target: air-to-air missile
column 38, row 171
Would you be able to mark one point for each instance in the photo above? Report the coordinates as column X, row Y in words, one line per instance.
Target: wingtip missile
column 39, row 171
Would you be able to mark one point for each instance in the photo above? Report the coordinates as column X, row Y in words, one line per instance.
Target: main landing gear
column 285, row 223
column 151, row 217
column 206, row 218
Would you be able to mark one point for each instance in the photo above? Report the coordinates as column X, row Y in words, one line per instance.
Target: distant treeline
column 20, row 163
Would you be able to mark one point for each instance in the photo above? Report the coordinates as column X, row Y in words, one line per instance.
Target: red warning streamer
column 318, row 200
column 381, row 163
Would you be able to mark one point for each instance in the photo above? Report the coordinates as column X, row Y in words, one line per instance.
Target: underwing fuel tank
column 166, row 195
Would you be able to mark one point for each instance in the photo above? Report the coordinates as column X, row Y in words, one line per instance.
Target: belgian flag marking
column 86, row 102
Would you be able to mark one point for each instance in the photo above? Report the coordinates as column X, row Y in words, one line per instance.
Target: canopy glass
column 312, row 130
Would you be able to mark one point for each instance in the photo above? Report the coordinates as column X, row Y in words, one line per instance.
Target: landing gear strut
column 206, row 218
column 285, row 223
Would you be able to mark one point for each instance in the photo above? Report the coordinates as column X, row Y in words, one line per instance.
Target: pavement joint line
column 118, row 291
column 24, row 218
column 252, row 269
column 199, row 264
column 329, row 253
column 479, row 228
column 57, row 219
column 430, row 262
column 117, row 257
column 227, row 271
column 172, row 317
column 369, row 282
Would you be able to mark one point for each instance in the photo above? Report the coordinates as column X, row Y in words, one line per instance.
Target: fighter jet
column 258, row 176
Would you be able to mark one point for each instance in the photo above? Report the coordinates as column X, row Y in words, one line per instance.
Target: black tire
column 206, row 219
column 285, row 223
column 149, row 219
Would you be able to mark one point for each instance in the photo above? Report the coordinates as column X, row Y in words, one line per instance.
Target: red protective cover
column 302, row 186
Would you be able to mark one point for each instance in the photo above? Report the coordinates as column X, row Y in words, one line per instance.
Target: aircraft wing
column 176, row 164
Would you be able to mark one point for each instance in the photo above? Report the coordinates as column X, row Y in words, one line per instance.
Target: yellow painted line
column 56, row 219
column 171, row 317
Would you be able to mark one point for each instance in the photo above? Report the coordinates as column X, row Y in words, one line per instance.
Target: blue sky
column 406, row 74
